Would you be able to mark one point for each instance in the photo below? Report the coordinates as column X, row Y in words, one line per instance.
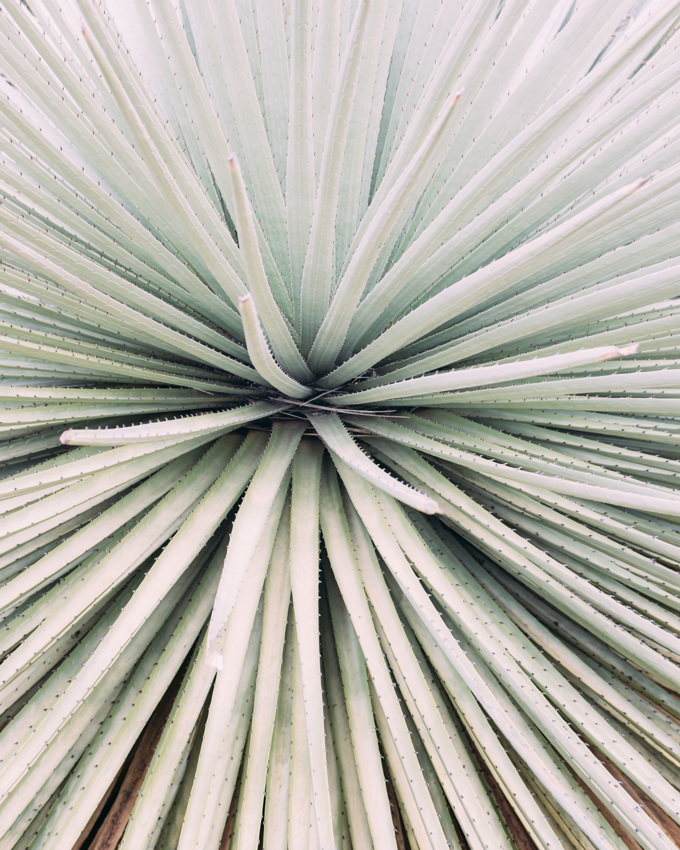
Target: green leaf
column 269, row 688
column 266, row 490
column 338, row 543
column 341, row 444
column 587, row 485
column 206, row 811
column 261, row 355
column 207, row 424
column 304, row 577
column 316, row 282
column 378, row 232
column 442, row 383
column 273, row 322
column 489, row 282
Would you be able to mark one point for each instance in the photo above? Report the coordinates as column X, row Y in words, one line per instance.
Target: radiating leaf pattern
column 341, row 413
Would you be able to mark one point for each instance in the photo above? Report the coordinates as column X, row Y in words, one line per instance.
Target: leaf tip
column 430, row 506
column 67, row 438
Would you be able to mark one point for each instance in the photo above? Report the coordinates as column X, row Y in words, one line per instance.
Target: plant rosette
column 341, row 408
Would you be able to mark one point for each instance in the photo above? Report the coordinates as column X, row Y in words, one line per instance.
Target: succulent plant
column 341, row 408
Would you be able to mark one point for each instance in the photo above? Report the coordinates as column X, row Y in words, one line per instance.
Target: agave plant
column 341, row 401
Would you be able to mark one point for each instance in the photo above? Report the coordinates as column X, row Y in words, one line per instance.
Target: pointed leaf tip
column 67, row 437
column 338, row 440
column 610, row 352
column 430, row 506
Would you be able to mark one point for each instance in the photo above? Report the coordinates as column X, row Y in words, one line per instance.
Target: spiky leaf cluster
column 341, row 406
